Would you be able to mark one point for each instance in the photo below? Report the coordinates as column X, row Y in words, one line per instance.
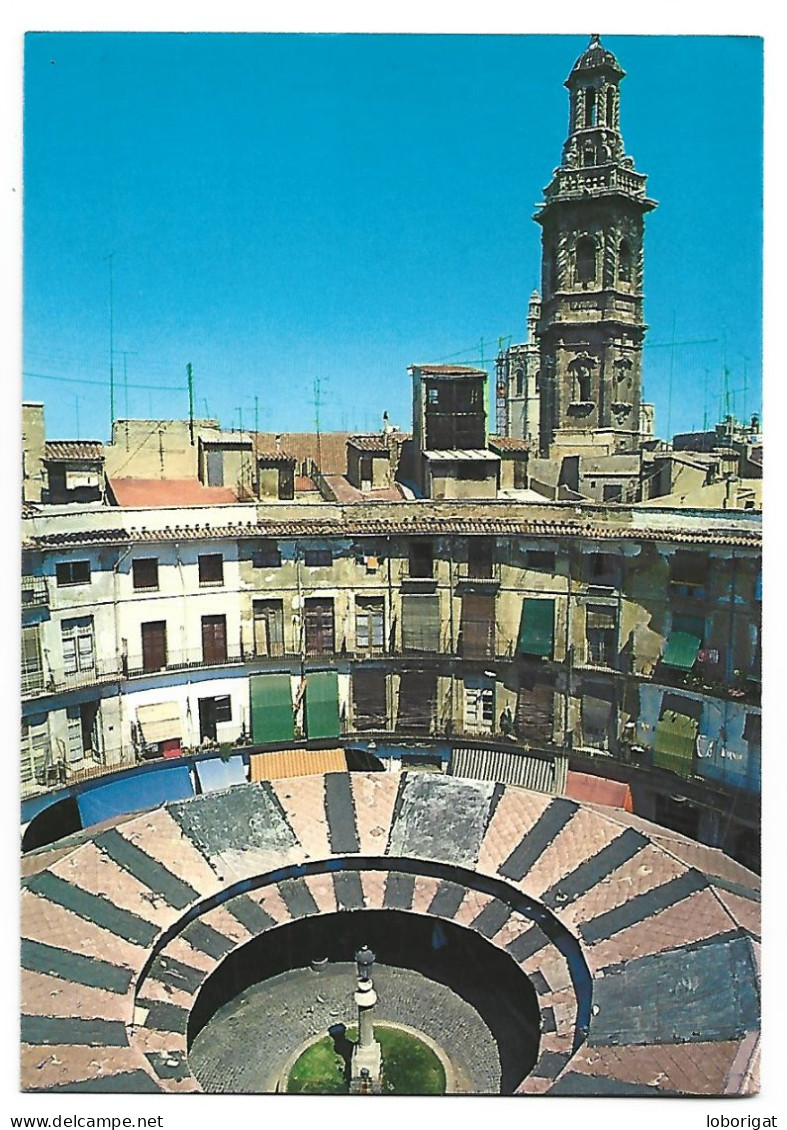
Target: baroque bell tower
column 591, row 328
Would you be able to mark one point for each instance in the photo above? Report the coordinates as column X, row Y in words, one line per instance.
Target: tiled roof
column 509, row 443
column 344, row 491
column 68, row 450
column 271, row 455
column 638, row 924
column 451, row 370
column 362, row 525
column 377, row 443
column 168, row 492
column 329, row 450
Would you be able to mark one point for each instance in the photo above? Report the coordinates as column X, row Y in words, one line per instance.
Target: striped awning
column 673, row 747
column 681, row 651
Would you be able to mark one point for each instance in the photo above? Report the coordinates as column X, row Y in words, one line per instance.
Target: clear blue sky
column 282, row 208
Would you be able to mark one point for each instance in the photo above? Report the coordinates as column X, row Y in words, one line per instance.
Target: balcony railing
column 478, row 574
column 35, row 592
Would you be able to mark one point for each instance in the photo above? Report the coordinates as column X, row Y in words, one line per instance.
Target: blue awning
column 217, row 774
column 134, row 793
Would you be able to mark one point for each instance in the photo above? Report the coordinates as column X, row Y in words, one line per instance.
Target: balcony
column 35, row 592
column 482, row 575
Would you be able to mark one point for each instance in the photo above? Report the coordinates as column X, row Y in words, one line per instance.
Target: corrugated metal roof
column 509, row 766
column 462, row 455
column 296, row 763
column 73, row 449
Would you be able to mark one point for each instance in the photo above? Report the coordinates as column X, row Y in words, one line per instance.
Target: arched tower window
column 624, row 262
column 589, row 155
column 611, row 108
column 519, row 378
column 590, row 106
column 586, row 260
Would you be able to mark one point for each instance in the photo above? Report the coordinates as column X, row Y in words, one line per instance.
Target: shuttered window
column 477, row 625
column 417, row 700
column 268, row 627
column 369, row 623
column 420, row 623
column 369, row 699
column 78, row 647
column 319, row 626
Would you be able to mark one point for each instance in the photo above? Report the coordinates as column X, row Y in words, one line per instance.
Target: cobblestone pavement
column 245, row 1045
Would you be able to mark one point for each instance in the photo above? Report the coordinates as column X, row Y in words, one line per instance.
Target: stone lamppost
column 366, row 1061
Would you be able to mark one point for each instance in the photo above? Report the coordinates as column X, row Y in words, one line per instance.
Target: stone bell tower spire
column 591, row 329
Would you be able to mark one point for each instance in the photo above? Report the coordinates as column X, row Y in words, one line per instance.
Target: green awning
column 681, row 651
column 321, row 710
column 673, row 748
column 537, row 628
column 271, row 708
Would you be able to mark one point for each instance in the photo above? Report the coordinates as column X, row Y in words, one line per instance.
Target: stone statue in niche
column 582, row 369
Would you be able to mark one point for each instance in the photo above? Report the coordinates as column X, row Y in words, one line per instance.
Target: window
column 477, row 626
column 479, row 706
column 601, row 569
column 612, row 492
column 268, row 627
column 519, row 378
column 32, row 668
column 586, row 260
column 214, row 467
column 472, row 472
column 212, row 711
column 541, row 559
column 319, row 626
column 590, row 106
column 689, row 573
column 602, row 635
column 480, row 557
column 369, row 623
column 318, row 558
column 144, row 573
column 370, row 699
column 211, row 569
column 154, row 645
column 35, row 751
column 624, row 262
column 611, row 108
column 420, row 622
column 214, row 639
column 73, row 573
column 266, row 556
column 421, row 559
column 78, row 648
column 417, row 701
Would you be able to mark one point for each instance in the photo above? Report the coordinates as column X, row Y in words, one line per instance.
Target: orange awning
column 599, row 790
column 296, row 763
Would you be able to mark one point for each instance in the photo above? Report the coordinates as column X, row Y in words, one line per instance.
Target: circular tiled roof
column 600, row 910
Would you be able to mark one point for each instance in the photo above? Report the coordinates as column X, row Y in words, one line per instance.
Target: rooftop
column 167, row 492
column 66, row 451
